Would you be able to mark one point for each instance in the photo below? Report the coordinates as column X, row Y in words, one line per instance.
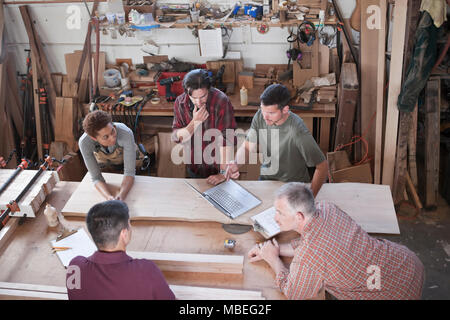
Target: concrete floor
column 428, row 235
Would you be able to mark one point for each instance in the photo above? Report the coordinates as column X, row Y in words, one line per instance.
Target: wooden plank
column 401, row 156
column 432, row 145
column 370, row 66
column 413, row 192
column 166, row 167
column 164, row 204
column 57, row 80
column 338, row 160
column 73, row 168
column 381, row 48
column 412, row 142
column 27, row 291
column 395, row 76
column 309, row 64
column 361, row 173
column 6, row 130
column 2, row 28
column 66, row 125
column 348, row 94
column 37, row 112
column 325, row 125
column 193, row 262
column 324, row 60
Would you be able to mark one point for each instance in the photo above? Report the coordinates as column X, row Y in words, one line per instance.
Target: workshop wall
column 50, row 20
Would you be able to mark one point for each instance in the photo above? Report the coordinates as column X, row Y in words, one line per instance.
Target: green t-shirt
column 288, row 150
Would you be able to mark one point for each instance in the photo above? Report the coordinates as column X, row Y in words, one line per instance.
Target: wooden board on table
column 33, row 199
column 154, row 198
column 193, row 262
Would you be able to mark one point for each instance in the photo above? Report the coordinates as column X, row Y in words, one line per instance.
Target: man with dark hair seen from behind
column 203, row 107
column 288, row 158
column 110, row 274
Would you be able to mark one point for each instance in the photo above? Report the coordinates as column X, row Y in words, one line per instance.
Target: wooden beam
column 401, row 156
column 347, row 101
column 37, row 112
column 413, row 192
column 32, row 291
column 2, row 29
column 432, row 138
column 372, row 56
column 395, row 77
column 193, row 262
column 380, row 95
column 412, row 143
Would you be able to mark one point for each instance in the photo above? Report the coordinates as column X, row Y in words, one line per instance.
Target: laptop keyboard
column 225, row 200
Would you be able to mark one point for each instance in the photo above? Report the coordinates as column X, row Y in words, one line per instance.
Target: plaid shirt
column 336, row 253
column 221, row 117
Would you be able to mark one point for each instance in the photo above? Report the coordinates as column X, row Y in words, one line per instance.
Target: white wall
column 50, row 22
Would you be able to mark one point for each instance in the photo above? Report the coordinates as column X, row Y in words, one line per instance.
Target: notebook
column 265, row 224
column 80, row 244
column 230, row 198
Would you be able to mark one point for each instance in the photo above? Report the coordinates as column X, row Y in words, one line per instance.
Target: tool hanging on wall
column 294, row 53
column 13, row 205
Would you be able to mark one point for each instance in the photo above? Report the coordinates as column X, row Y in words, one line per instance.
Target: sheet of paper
column 80, row 244
column 211, row 43
column 266, row 220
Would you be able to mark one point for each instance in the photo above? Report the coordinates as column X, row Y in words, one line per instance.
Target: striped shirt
column 336, row 254
column 221, row 117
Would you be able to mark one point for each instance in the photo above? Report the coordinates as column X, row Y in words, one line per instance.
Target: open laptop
column 230, row 198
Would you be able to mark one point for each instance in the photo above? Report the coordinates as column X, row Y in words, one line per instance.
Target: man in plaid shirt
column 336, row 254
column 201, row 108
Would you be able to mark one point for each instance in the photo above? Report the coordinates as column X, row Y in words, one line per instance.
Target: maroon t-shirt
column 115, row 276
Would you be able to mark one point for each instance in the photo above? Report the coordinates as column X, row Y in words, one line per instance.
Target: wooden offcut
column 66, row 126
column 193, row 262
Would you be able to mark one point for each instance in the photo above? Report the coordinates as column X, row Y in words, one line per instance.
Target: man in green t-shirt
column 287, row 146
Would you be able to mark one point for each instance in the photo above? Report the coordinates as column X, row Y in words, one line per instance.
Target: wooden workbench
column 27, row 257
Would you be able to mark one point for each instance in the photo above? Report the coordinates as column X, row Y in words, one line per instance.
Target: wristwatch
column 222, row 171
